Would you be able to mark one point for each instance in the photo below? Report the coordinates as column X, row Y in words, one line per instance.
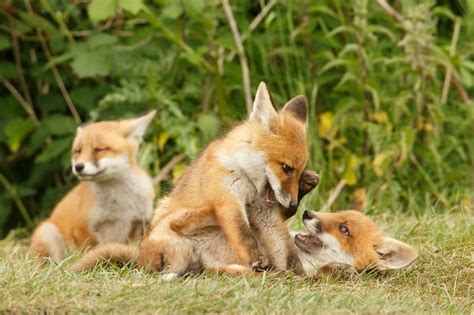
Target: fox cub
column 114, row 199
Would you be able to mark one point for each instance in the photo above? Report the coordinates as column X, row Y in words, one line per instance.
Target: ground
column 441, row 280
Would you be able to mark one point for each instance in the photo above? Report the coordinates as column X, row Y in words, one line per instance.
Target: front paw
column 309, row 179
column 262, row 264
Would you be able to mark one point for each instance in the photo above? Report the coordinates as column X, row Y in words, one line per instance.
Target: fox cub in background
column 114, row 199
column 261, row 159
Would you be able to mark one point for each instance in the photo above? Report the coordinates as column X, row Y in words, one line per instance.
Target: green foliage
column 377, row 123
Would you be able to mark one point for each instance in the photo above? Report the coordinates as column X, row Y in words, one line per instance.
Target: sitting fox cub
column 114, row 199
column 261, row 159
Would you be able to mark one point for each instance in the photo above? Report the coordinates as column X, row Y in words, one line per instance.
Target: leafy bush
column 379, row 126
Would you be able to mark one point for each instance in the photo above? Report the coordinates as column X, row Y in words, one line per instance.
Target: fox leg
column 270, row 228
column 233, row 221
column 47, row 241
column 174, row 256
column 192, row 220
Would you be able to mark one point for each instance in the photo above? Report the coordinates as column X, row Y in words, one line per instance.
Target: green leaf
column 209, row 125
column 173, row 10
column 16, row 130
column 8, row 70
column 59, row 125
column 99, row 10
column 92, row 64
column 101, row 39
column 5, row 42
column 132, row 6
column 194, row 7
column 37, row 139
column 54, row 150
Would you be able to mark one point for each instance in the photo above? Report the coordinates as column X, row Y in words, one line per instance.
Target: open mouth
column 268, row 195
column 308, row 240
column 89, row 176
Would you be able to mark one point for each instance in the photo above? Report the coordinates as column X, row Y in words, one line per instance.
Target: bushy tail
column 110, row 253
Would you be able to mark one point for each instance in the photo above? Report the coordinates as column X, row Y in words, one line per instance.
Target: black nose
column 294, row 203
column 307, row 215
column 79, row 167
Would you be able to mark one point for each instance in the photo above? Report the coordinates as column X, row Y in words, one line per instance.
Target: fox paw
column 309, row 180
column 262, row 264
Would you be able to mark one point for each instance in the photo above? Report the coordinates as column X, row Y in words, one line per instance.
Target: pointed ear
column 298, row 108
column 395, row 254
column 136, row 127
column 79, row 130
column 263, row 111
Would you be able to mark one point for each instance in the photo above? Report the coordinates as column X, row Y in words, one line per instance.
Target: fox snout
column 79, row 167
column 294, row 203
column 311, row 220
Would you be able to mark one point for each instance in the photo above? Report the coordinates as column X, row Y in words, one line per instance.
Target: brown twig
column 452, row 53
column 167, row 168
column 26, row 106
column 59, row 80
column 461, row 91
column 333, row 194
column 240, row 49
column 254, row 24
column 389, row 10
column 57, row 76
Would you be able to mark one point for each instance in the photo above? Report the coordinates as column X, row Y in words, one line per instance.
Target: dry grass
column 440, row 280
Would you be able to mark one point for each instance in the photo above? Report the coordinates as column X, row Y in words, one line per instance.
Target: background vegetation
column 391, row 125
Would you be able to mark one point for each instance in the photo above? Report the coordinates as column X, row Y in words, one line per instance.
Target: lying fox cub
column 347, row 240
column 114, row 199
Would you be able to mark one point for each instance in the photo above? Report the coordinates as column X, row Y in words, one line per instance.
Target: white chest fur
column 247, row 167
column 121, row 205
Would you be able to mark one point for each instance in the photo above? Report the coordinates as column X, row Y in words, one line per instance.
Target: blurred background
column 390, row 86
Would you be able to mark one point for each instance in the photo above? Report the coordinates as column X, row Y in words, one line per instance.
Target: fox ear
column 263, row 111
column 136, row 127
column 297, row 107
column 395, row 254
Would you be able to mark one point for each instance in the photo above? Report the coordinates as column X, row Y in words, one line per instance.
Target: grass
column 440, row 280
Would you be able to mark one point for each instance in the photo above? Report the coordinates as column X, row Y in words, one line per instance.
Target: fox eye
column 99, row 149
column 344, row 230
column 76, row 151
column 287, row 169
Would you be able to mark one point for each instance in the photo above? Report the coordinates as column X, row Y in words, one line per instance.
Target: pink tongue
column 268, row 195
